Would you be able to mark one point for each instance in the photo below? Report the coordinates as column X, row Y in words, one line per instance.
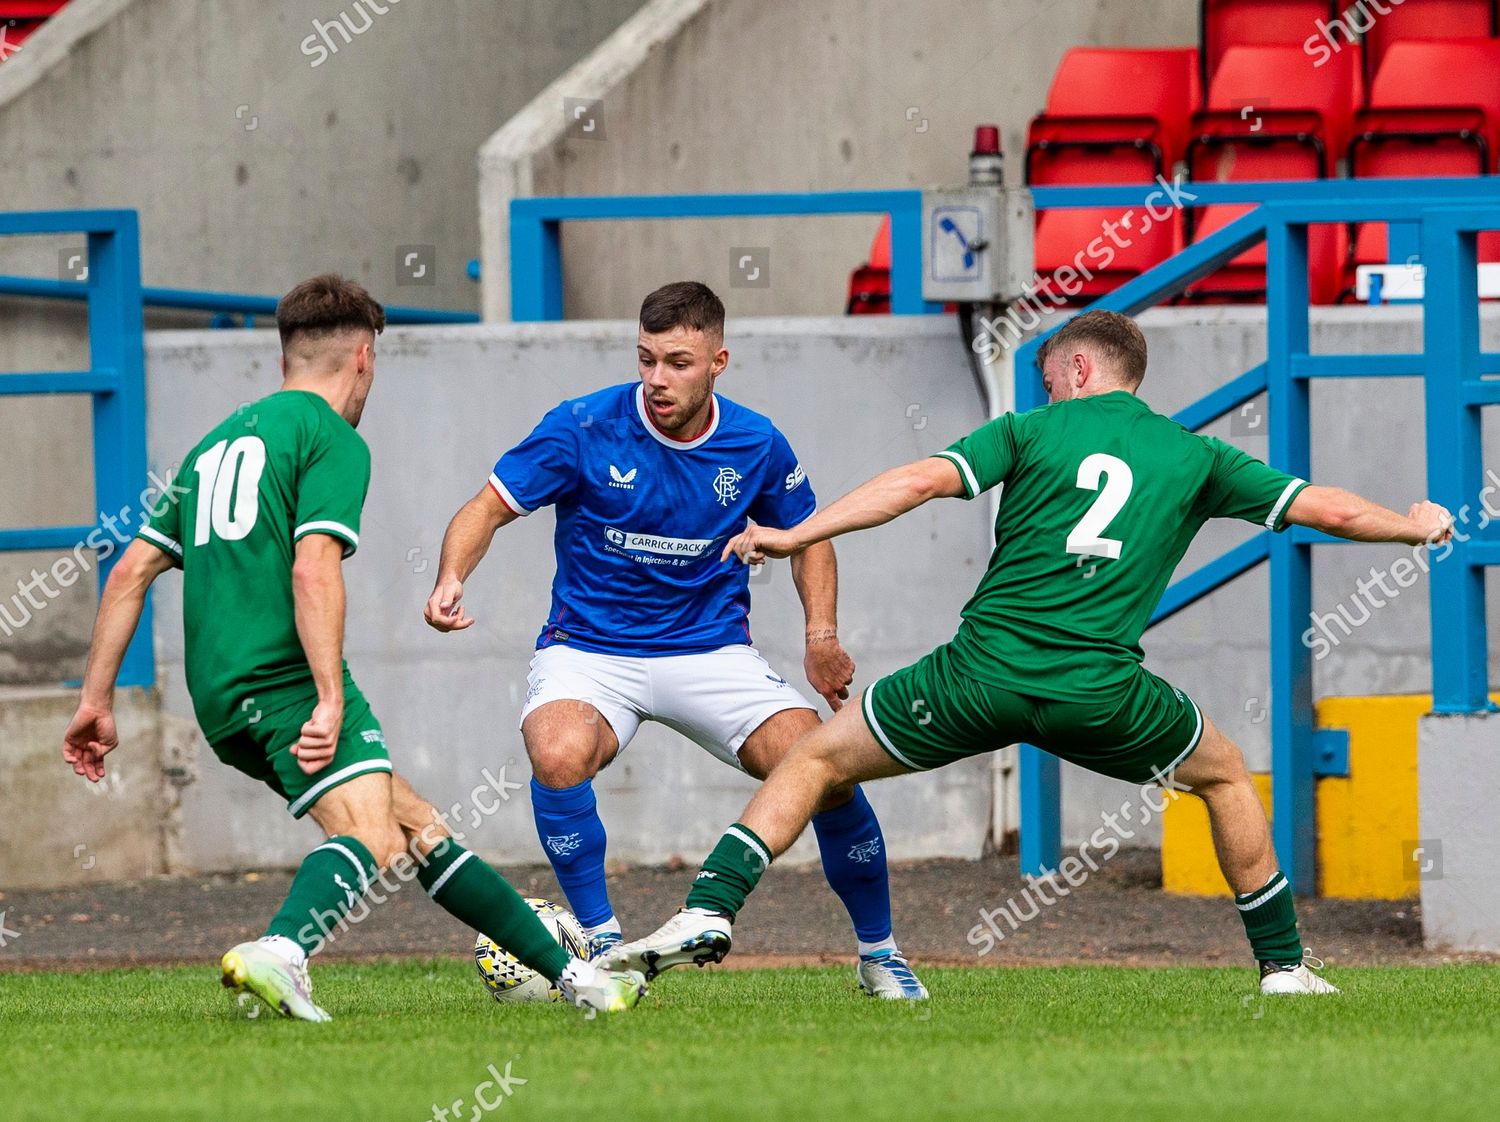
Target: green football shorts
column 929, row 714
column 262, row 749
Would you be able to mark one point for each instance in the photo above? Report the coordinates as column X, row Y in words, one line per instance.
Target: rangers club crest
column 865, row 851
column 564, row 844
column 724, row 485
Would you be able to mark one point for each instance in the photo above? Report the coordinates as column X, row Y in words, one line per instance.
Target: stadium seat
column 1300, row 134
column 1112, row 116
column 870, row 284
column 1427, row 19
column 1415, row 126
column 19, row 20
column 1228, row 23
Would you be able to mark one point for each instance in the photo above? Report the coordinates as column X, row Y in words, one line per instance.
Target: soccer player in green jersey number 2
column 269, row 509
column 1102, row 498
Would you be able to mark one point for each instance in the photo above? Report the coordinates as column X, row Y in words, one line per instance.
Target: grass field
column 1084, row 1042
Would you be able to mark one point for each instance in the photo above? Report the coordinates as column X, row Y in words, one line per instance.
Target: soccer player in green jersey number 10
column 1102, row 498
column 267, row 509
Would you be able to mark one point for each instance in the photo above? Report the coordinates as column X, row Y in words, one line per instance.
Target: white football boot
column 283, row 985
column 1282, row 980
column 606, row 992
column 693, row 935
column 888, row 975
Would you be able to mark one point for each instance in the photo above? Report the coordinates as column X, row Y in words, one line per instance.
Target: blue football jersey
column 643, row 517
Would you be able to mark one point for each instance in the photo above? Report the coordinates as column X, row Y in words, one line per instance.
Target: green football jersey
column 1102, row 498
column 272, row 473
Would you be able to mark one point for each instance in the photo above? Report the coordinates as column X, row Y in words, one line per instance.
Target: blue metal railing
column 536, row 281
column 116, row 381
column 218, row 303
column 1442, row 217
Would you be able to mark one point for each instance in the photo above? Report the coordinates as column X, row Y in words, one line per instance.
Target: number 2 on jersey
column 229, row 489
column 1088, row 536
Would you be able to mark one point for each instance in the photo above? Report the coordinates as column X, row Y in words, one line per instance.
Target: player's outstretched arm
column 1347, row 515
column 464, row 546
column 91, row 733
column 318, row 601
column 874, row 503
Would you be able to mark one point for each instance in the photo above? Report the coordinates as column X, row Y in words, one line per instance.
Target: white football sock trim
column 437, row 885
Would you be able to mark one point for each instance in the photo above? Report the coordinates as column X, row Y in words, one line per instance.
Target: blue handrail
column 1445, row 216
column 224, row 303
column 536, row 291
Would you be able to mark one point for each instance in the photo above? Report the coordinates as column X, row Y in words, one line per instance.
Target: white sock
column 611, row 924
column 580, row 973
column 288, row 949
column 886, row 944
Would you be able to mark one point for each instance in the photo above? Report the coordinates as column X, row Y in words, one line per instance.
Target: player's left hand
column 756, row 543
column 829, row 669
column 320, row 737
column 90, row 737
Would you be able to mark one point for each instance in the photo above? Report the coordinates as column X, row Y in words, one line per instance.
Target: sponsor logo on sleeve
column 795, row 479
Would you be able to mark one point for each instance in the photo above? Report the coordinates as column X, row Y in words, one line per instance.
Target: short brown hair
column 326, row 305
column 690, row 304
column 1116, row 338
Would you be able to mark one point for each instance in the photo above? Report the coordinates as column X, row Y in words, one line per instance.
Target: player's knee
column 561, row 765
column 384, row 841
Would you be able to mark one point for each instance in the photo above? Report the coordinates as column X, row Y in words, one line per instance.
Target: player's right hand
column 444, row 610
column 90, row 737
column 756, row 543
column 1434, row 522
column 320, row 737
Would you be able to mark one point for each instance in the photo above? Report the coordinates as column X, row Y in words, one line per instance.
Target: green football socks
column 1271, row 921
column 468, row 889
column 330, row 882
column 731, row 872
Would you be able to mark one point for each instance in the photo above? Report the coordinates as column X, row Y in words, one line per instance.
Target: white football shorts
column 716, row 699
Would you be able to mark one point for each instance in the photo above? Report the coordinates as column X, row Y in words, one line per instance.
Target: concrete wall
column 855, row 396
column 59, row 829
column 780, row 95
column 1455, row 856
column 251, row 168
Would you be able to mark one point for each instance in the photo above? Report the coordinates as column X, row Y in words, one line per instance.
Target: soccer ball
column 504, row 975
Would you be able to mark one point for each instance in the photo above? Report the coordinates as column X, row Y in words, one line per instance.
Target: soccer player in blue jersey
column 650, row 479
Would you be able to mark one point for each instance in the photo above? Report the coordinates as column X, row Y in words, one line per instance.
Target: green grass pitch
column 1072, row 1042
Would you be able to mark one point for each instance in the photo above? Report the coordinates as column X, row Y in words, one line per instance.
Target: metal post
column 536, row 283
column 1040, row 776
column 1293, row 791
column 1450, row 327
column 117, row 346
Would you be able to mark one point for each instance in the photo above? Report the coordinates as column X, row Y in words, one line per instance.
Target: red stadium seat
column 1113, row 116
column 1300, row 135
column 870, row 284
column 1229, row 23
column 1416, row 126
column 1423, row 19
column 19, row 20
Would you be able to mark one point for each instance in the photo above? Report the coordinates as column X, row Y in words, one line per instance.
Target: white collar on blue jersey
column 671, row 442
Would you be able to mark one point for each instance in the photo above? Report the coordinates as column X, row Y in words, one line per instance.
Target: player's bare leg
column 569, row 742
column 854, row 859
column 363, row 839
column 1217, row 774
column 835, row 755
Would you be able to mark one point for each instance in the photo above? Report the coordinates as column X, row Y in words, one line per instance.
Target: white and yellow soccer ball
column 507, row 978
